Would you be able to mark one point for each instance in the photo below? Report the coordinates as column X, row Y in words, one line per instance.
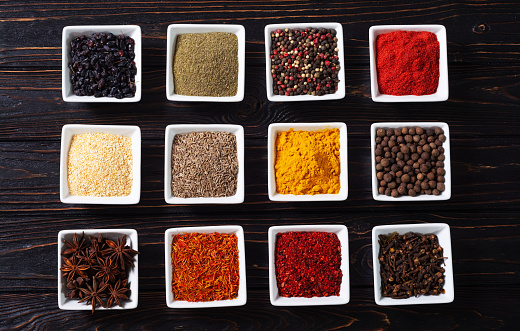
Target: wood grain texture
column 482, row 112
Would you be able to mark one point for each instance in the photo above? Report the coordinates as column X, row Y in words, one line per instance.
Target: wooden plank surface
column 483, row 213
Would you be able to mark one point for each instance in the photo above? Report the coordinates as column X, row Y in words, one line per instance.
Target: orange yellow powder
column 307, row 162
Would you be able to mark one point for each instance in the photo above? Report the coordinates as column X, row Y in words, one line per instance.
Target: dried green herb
column 206, row 64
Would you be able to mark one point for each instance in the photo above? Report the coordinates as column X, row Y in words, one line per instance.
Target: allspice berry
column 410, row 161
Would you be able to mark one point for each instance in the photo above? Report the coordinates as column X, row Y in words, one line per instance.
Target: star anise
column 98, row 245
column 107, row 271
column 87, row 257
column 94, row 294
column 120, row 252
column 75, row 246
column 73, row 268
column 75, row 286
column 117, row 293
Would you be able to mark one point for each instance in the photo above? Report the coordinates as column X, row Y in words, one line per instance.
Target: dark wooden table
column 483, row 112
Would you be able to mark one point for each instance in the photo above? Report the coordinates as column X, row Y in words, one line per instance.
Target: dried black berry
column 103, row 65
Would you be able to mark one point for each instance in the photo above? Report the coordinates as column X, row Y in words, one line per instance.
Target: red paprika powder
column 308, row 264
column 407, row 62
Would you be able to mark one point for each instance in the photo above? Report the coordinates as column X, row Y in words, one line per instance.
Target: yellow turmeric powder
column 307, row 162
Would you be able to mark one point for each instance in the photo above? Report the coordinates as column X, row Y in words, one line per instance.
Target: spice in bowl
column 410, row 161
column 96, row 270
column 205, row 267
column 204, row 164
column 103, row 65
column 100, row 164
column 308, row 162
column 304, row 61
column 407, row 63
column 308, row 264
column 411, row 265
column 206, row 64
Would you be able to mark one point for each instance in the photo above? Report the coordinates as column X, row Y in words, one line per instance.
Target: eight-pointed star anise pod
column 120, row 252
column 107, row 271
column 76, row 246
column 117, row 293
column 94, row 294
column 73, row 268
column 98, row 244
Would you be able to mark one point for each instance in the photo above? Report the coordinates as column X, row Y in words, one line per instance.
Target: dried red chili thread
column 308, row 264
column 407, row 62
column 205, row 267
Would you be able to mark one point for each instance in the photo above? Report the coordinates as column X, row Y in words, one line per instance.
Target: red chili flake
column 308, row 264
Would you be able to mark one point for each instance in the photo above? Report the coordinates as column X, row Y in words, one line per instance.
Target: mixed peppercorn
column 304, row 61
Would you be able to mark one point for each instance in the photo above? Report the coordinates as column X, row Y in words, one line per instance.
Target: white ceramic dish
column 112, row 234
column 344, row 293
column 442, row 90
column 133, row 132
column 340, row 93
column 447, row 162
column 442, row 231
column 174, row 129
column 273, row 131
column 71, row 32
column 177, row 29
column 242, row 287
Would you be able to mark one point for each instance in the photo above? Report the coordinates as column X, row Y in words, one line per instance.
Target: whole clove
column 411, row 265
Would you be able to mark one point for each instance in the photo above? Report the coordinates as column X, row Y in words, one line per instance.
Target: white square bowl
column 174, row 129
column 224, row 229
column 177, row 29
column 340, row 93
column 68, row 131
column 442, row 231
column 131, row 240
column 344, row 293
column 273, row 131
column 447, row 162
column 71, row 32
column 442, row 89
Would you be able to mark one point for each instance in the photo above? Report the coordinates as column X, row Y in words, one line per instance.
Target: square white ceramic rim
column 70, row 32
column 442, row 231
column 134, row 132
column 344, row 294
column 174, row 129
column 274, row 129
column 447, row 162
column 223, row 229
column 442, row 93
column 133, row 277
column 340, row 93
column 177, row 29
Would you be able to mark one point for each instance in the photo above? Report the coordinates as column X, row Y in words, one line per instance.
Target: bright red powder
column 407, row 63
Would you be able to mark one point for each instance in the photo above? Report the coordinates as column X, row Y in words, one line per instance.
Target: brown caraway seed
column 204, row 164
column 100, row 164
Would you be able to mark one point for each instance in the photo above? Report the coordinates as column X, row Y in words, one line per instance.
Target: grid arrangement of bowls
column 273, row 131
column 71, row 32
column 174, row 129
column 134, row 31
column 177, row 29
column 442, row 231
column 224, row 229
column 344, row 296
column 445, row 195
column 340, row 93
column 133, row 280
column 442, row 90
column 69, row 130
